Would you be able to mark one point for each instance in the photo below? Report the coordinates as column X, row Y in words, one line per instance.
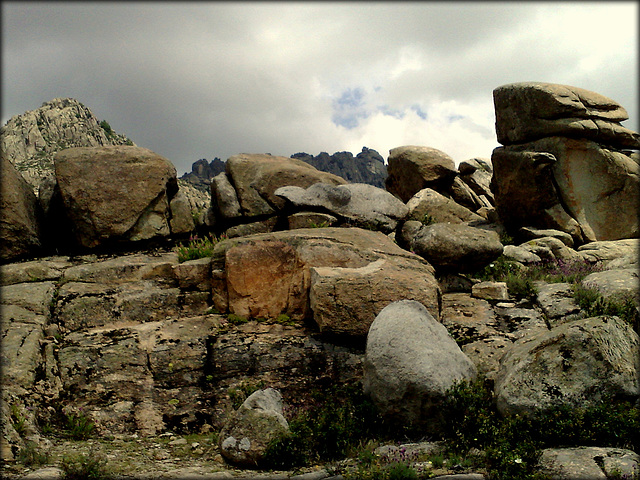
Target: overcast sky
column 212, row 79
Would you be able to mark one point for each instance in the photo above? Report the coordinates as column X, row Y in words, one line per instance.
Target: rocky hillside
column 30, row 140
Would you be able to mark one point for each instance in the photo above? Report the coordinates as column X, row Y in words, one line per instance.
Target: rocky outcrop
column 259, row 420
column 413, row 168
column 589, row 463
column 202, row 172
column 30, row 140
column 366, row 167
column 565, row 165
column 245, row 193
column 21, row 218
column 132, row 202
column 410, row 361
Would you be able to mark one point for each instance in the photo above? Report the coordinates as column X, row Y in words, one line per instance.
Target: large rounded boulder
column 410, row 362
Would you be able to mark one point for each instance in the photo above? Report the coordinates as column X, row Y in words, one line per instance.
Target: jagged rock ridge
column 366, row 167
column 31, row 139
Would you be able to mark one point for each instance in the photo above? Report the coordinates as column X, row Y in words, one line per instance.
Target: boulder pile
column 315, row 281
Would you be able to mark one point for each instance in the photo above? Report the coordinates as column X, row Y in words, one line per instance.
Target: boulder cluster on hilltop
column 152, row 313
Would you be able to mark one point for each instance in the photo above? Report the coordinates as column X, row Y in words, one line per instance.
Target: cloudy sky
column 212, row 79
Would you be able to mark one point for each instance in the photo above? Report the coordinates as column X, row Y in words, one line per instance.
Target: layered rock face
column 566, row 162
column 30, row 140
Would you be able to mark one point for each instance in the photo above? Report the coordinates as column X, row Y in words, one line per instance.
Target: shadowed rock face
column 563, row 165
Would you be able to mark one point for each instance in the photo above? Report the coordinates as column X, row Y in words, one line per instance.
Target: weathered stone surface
column 258, row 421
column 194, row 274
column 528, row 111
column 606, row 251
column 462, row 194
column 269, row 274
column 520, row 254
column 345, row 301
column 486, row 353
column 490, row 291
column 359, row 203
column 622, row 283
column 428, row 203
column 21, row 214
column 49, row 268
column 181, row 221
column 476, row 173
column 589, row 463
column 413, row 168
column 559, row 251
column 310, row 220
column 530, row 233
column 132, row 202
column 596, row 184
column 524, row 191
column 410, row 361
column 139, row 378
column 256, row 177
column 518, row 321
column 557, row 303
column 252, row 228
column 224, row 199
column 457, row 246
column 575, row 186
column 576, row 363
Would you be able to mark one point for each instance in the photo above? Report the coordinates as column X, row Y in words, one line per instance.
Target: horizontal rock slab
column 361, row 204
column 528, row 111
column 345, row 301
column 589, row 463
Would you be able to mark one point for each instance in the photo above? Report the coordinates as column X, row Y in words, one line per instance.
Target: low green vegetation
column 84, row 467
column 512, row 445
column 594, row 304
column 475, row 437
column 197, row 248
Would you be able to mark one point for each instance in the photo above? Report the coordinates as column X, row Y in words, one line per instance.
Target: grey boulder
column 410, row 362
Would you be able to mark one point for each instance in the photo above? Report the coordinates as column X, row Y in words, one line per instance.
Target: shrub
column 79, row 427
column 84, row 467
column 197, row 248
column 236, row 319
column 593, row 304
column 513, row 444
column 337, row 421
column 30, row 455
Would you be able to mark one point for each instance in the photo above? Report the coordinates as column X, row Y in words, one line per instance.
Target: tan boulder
column 412, row 168
column 257, row 176
column 346, row 301
column 118, row 193
column 574, row 186
column 429, row 206
column 529, row 111
column 266, row 275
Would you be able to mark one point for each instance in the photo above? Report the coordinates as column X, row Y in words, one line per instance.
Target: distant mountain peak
column 30, row 140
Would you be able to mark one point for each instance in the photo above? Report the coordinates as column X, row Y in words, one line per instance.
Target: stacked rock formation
column 566, row 163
